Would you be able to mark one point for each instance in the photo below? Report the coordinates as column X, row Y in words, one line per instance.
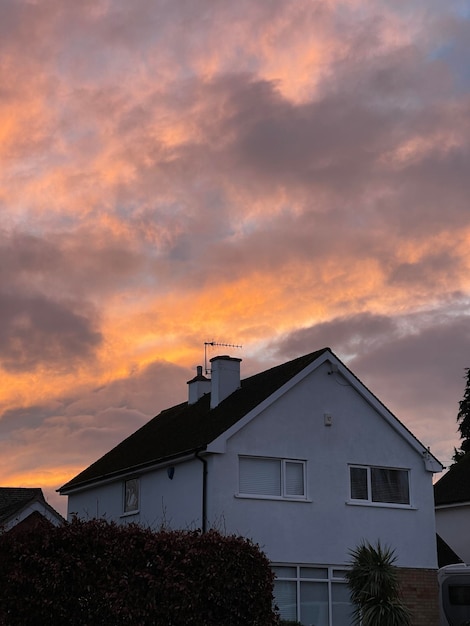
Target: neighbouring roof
column 187, row 428
column 15, row 502
column 454, row 486
column 445, row 554
column 14, row 499
column 34, row 522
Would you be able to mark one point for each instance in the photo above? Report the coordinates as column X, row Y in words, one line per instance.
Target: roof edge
column 66, row 490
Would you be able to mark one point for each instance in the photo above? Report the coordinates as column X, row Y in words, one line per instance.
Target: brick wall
column 420, row 593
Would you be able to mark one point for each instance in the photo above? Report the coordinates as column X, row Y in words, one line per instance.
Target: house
column 302, row 458
column 452, row 501
column 23, row 508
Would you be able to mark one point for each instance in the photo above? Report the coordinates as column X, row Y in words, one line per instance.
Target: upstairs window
column 272, row 478
column 379, row 484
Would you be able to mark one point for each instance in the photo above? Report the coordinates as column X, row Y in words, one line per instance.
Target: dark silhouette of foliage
column 98, row 573
column 463, row 419
column 375, row 590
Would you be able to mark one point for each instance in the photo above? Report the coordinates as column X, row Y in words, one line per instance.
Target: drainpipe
column 204, row 490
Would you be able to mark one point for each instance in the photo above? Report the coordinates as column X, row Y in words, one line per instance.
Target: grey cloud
column 421, row 378
column 26, row 417
column 431, row 271
column 346, row 336
column 430, row 354
column 145, row 391
column 326, row 154
column 83, row 262
column 35, row 330
column 148, row 390
column 23, row 255
column 414, row 363
column 73, row 432
column 321, row 144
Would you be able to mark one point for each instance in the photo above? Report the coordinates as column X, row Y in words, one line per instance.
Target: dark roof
column 186, row 428
column 14, row 499
column 454, row 486
column 445, row 554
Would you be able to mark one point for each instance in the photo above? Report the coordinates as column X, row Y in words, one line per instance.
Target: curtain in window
column 390, row 485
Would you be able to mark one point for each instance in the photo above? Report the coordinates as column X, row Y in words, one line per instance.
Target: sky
column 283, row 175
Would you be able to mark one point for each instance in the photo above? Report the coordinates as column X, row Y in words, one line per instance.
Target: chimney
column 198, row 386
column 225, row 378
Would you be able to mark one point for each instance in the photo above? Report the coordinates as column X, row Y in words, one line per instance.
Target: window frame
column 283, row 495
column 135, row 481
column 334, row 575
column 369, row 501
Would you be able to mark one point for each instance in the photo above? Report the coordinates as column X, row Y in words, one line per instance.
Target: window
column 379, row 484
column 312, row 595
column 272, row 478
column 131, row 495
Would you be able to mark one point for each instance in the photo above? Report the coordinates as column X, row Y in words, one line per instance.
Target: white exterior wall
column 176, row 503
column 325, row 528
column 453, row 524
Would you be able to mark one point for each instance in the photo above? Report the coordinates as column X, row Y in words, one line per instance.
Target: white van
column 454, row 594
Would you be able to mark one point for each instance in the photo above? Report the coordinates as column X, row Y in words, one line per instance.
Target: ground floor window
column 314, row 596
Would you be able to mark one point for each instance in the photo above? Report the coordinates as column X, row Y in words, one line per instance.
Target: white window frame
column 369, row 500
column 283, row 495
column 131, row 487
column 334, row 575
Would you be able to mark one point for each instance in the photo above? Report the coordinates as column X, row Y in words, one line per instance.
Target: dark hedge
column 98, row 573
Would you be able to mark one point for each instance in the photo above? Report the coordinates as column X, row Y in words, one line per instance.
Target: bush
column 375, row 590
column 98, row 573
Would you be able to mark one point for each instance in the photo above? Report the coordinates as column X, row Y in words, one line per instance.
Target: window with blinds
column 379, row 484
column 275, row 478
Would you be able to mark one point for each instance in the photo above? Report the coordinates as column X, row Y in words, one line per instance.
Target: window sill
column 253, row 496
column 381, row 505
column 130, row 513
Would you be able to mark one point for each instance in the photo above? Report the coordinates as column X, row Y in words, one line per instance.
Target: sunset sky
column 280, row 174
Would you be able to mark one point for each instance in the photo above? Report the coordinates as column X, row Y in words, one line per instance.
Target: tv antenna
column 218, row 345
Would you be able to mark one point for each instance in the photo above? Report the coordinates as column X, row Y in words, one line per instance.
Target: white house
column 452, row 498
column 302, row 458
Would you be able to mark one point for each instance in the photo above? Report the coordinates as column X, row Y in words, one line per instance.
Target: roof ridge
column 188, row 427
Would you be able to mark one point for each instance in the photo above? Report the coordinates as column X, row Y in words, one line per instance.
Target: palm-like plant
column 375, row 590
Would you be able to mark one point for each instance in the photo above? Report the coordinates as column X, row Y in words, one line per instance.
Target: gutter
column 104, row 479
column 204, row 490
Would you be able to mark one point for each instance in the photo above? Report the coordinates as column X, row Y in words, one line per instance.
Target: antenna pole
column 215, row 343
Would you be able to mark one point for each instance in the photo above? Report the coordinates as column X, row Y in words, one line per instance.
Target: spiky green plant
column 375, row 589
